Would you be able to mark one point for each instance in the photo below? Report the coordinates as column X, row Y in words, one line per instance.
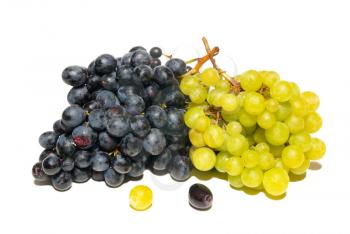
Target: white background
column 305, row 41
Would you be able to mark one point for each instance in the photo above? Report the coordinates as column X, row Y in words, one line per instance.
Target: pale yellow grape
column 234, row 166
column 214, row 97
column 266, row 160
column 140, row 197
column 191, row 116
column 247, row 120
column 262, row 146
column 275, row 181
column 313, row 122
column 241, row 96
column 302, row 139
column 204, row 159
column 317, row 151
column 233, row 128
column 295, row 90
column 237, row 144
column 284, row 111
column 235, row 181
column 250, row 158
column 276, row 150
column 302, row 169
column 292, row 156
column 214, row 136
column 229, row 116
column 196, row 138
column 189, row 83
column 223, row 85
column 251, row 80
column 223, row 146
column 278, row 134
column 252, row 177
column 281, row 91
column 229, row 102
column 299, row 106
column 270, row 78
column 221, row 159
column 295, row 123
column 254, row 103
column 311, row 99
column 198, row 94
column 210, row 77
column 259, row 135
column 202, row 123
column 249, row 130
column 266, row 119
column 272, row 105
column 279, row 164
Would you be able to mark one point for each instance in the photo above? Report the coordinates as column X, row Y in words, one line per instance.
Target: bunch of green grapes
column 259, row 134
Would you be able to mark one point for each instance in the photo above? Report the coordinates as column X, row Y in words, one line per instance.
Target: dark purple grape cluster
column 125, row 116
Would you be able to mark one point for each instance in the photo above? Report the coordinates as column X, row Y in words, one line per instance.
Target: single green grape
column 302, row 169
column 259, row 135
column 223, row 85
column 188, row 83
column 250, row 158
column 269, row 78
column 235, row 181
column 254, row 103
column 299, row 106
column 251, row 80
column 140, row 197
column 198, row 94
column 202, row 123
column 284, row 111
column 313, row 122
column 204, row 159
column 295, row 90
column 233, row 128
column 196, row 138
column 214, row 97
column 272, row 105
column 279, row 164
column 292, row 156
column 229, row 102
column 281, row 91
column 191, row 116
column 247, row 131
column 237, row 144
column 302, row 139
column 247, row 120
column 278, row 134
column 311, row 99
column 266, row 160
column 210, row 77
column 262, row 146
column 266, row 119
column 229, row 116
column 234, row 166
column 318, row 149
column 214, row 136
column 275, row 181
column 295, row 123
column 221, row 159
column 252, row 177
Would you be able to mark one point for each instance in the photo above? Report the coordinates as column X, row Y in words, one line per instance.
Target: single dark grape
column 115, row 111
column 92, row 105
column 121, row 164
column 155, row 52
column 131, row 145
column 65, row 146
column 140, row 57
column 125, row 91
column 91, row 68
column 113, row 178
column 164, row 76
column 98, row 175
column 93, row 83
column 48, row 139
column 84, row 137
column 152, row 90
column 126, row 59
column 157, row 116
column 107, row 99
column 109, row 82
column 134, row 105
column 62, row 181
column 177, row 66
column 144, row 73
column 155, row 62
column 81, row 175
column 44, row 154
column 97, row 120
column 155, row 142
column 38, row 172
column 57, row 127
column 118, row 126
column 137, row 169
column 105, row 64
column 78, row 95
column 137, row 48
column 100, row 161
column 74, row 75
column 51, row 164
column 67, row 164
column 200, row 197
column 82, row 159
column 170, row 96
column 73, row 116
column 139, row 125
column 175, row 123
column 143, row 156
column 106, row 142
column 180, row 168
column 161, row 161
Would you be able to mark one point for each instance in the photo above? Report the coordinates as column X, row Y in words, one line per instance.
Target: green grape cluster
column 259, row 134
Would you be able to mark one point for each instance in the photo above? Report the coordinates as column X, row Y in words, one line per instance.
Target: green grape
column 281, row 91
column 254, row 103
column 191, row 116
column 313, row 122
column 229, row 102
column 266, row 160
column 252, row 177
column 241, row 96
column 210, row 77
column 295, row 90
column 278, row 134
column 295, row 123
column 317, row 151
column 269, row 78
column 214, row 97
column 262, row 146
column 292, row 156
column 196, row 138
column 188, row 83
column 235, row 181
column 140, row 197
column 279, row 164
column 275, row 181
column 233, row 128
column 202, row 123
column 299, row 106
column 247, row 120
column 223, row 85
column 234, row 166
column 251, row 80
column 302, row 169
column 249, row 130
column 251, row 141
column 229, row 116
column 272, row 105
column 259, row 135
column 198, row 94
column 276, row 150
column 221, row 159
column 311, row 99
column 214, row 136
column 236, row 145
column 266, row 120
column 204, row 159
column 302, row 139
column 284, row 111
column 223, row 146
column 250, row 158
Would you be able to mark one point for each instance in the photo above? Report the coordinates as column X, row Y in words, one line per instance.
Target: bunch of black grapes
column 125, row 116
